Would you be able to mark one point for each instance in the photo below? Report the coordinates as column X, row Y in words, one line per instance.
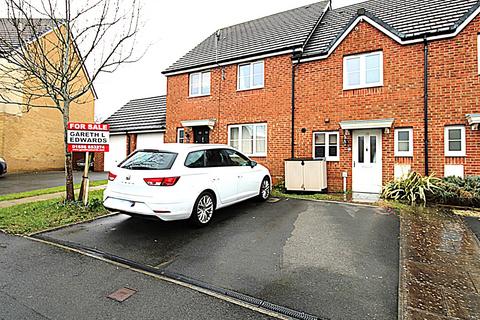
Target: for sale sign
column 88, row 137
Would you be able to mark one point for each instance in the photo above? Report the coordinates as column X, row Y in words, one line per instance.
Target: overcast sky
column 173, row 28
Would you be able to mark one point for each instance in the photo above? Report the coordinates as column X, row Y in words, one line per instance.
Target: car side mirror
column 253, row 164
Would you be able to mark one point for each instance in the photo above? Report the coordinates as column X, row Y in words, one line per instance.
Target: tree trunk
column 70, row 193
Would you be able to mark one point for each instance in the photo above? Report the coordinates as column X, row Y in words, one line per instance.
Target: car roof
column 188, row 147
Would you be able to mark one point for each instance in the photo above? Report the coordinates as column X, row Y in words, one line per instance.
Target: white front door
column 367, row 161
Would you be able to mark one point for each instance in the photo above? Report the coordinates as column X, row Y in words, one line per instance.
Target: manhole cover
column 273, row 200
column 122, row 294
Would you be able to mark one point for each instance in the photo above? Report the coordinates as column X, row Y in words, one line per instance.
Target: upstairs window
column 326, row 146
column 200, row 84
column 250, row 76
column 404, row 142
column 363, row 71
column 455, row 145
column 251, row 139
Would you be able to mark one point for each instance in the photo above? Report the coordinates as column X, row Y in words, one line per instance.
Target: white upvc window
column 404, row 142
column 455, row 142
column 326, row 145
column 250, row 76
column 250, row 139
column 180, row 135
column 199, row 84
column 363, row 71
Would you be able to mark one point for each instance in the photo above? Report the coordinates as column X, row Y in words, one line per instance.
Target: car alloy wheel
column 205, row 209
column 265, row 189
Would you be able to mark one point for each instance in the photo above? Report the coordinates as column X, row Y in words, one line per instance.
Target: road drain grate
column 178, row 277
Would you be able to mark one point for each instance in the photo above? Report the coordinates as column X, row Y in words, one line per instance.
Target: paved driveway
column 13, row 183
column 331, row 260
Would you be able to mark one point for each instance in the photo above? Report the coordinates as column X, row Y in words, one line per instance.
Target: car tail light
column 111, row 176
column 164, row 182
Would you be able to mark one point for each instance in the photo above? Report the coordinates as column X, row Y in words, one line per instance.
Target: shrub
column 458, row 191
column 412, row 189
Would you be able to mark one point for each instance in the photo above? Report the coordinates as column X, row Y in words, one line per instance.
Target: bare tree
column 45, row 55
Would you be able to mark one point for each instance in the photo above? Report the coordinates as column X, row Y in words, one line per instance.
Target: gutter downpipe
column 425, row 103
column 294, row 67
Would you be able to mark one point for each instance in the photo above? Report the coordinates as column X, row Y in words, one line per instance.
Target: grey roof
column 139, row 115
column 28, row 29
column 408, row 19
column 281, row 31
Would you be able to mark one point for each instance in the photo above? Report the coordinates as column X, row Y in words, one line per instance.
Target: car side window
column 236, row 159
column 195, row 159
column 216, row 158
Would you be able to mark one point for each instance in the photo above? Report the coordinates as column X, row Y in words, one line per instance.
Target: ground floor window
column 250, row 139
column 404, row 142
column 455, row 145
column 180, row 135
column 326, row 145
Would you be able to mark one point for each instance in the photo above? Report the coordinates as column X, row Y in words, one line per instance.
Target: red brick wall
column 321, row 102
column 229, row 106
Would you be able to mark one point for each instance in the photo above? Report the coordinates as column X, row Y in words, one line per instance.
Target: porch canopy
column 199, row 123
column 366, row 124
column 474, row 120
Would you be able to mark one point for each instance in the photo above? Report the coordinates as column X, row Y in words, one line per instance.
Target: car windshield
column 149, row 160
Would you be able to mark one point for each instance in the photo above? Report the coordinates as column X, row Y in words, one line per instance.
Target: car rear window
column 149, row 160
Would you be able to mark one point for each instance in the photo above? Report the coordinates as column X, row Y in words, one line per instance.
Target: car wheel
column 203, row 209
column 265, row 189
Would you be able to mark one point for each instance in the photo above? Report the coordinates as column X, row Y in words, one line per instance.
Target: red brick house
column 359, row 86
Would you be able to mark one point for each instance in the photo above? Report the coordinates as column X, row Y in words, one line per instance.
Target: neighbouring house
column 377, row 89
column 140, row 124
column 33, row 140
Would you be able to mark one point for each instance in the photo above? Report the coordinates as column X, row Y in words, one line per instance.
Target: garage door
column 149, row 140
column 117, row 153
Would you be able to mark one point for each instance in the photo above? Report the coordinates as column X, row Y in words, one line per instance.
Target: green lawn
column 21, row 195
column 281, row 193
column 37, row 216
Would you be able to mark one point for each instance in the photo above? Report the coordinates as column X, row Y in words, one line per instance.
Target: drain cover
column 273, row 200
column 122, row 294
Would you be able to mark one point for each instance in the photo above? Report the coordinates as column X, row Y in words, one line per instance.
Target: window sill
column 378, row 85
column 328, row 159
column 199, row 96
column 404, row 156
column 455, row 155
column 250, row 89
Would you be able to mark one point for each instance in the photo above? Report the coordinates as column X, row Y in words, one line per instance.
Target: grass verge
column 281, row 193
column 33, row 193
column 38, row 216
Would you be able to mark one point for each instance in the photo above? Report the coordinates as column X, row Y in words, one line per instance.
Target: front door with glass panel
column 201, row 134
column 367, row 161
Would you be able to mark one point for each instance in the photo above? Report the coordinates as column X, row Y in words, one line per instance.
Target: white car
column 184, row 181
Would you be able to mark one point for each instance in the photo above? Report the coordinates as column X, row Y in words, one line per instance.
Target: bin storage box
column 305, row 175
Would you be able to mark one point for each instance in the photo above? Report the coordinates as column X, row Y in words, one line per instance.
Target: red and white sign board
column 88, row 137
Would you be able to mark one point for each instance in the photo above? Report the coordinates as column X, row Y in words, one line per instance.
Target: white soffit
column 367, row 124
column 199, row 123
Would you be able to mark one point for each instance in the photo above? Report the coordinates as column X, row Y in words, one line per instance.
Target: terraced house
column 377, row 89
